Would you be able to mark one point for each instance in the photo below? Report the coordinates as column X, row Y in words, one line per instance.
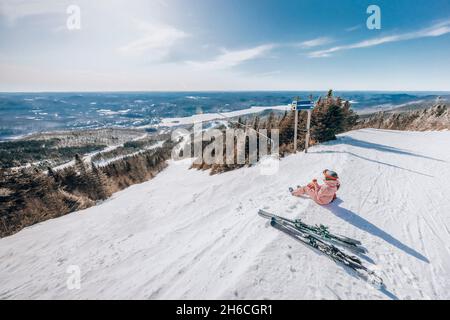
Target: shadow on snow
column 364, row 225
column 379, row 147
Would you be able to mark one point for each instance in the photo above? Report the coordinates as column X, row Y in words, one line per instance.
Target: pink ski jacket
column 325, row 193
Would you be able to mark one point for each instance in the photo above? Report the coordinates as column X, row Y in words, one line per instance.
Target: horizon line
column 219, row 91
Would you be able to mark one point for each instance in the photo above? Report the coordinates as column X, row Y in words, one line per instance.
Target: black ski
column 320, row 231
column 329, row 250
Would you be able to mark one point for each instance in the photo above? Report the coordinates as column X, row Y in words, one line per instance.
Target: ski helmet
column 330, row 175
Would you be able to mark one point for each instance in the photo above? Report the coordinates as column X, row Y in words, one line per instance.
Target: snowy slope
column 186, row 234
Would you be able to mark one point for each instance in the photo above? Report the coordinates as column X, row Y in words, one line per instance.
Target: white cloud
column 314, row 42
column 157, row 40
column 353, row 28
column 436, row 30
column 229, row 59
column 267, row 74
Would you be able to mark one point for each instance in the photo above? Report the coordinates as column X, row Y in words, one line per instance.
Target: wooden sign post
column 294, row 108
column 302, row 105
column 308, row 127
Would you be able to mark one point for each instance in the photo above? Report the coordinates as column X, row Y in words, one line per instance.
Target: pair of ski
column 321, row 232
column 323, row 242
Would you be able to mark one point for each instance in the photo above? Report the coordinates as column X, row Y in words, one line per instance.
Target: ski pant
column 304, row 190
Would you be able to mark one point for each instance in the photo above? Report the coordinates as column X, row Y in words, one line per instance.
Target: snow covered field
column 186, row 234
column 205, row 117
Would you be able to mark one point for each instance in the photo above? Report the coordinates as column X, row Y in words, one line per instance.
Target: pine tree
column 239, row 123
column 79, row 165
column 271, row 122
column 327, row 119
column 350, row 117
column 51, row 173
column 287, row 128
column 256, row 123
column 99, row 182
column 285, row 114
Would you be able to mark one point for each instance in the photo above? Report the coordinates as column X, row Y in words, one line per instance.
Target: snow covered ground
column 88, row 158
column 206, row 117
column 103, row 163
column 186, row 234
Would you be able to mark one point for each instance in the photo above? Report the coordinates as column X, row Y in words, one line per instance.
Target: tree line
column 32, row 195
column 330, row 116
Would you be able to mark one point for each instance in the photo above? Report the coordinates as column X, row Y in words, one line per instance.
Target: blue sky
column 224, row 45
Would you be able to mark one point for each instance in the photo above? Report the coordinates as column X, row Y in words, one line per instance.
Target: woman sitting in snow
column 322, row 194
